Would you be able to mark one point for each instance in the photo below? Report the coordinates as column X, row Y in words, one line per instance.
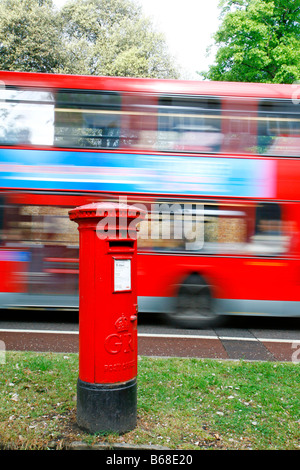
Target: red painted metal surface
column 107, row 311
column 148, row 85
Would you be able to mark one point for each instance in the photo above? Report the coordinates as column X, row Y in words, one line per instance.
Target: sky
column 188, row 26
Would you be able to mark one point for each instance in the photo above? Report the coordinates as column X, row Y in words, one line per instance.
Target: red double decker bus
column 214, row 164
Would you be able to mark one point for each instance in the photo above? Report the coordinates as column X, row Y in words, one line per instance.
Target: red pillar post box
column 107, row 382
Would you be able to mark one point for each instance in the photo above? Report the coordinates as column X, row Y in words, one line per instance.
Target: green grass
column 182, row 404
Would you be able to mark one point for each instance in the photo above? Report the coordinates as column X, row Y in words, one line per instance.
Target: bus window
column 48, row 236
column 26, row 117
column 193, row 227
column 225, row 228
column 279, row 128
column 162, row 230
column 87, row 120
column 189, row 124
column 239, row 126
column 215, row 228
column 139, row 117
column 270, row 236
column 40, row 225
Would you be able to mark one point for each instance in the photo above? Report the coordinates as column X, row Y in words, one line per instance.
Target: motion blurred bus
column 215, row 164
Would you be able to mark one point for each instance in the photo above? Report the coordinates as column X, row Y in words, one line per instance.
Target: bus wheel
column 194, row 307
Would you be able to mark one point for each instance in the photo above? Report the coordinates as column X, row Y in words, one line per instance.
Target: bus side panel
column 13, row 271
column 234, row 278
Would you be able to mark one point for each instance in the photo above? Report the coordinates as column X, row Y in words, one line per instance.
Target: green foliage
column 112, row 37
column 259, row 41
column 89, row 37
column 30, row 39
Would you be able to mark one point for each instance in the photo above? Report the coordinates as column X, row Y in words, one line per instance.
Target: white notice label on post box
column 122, row 274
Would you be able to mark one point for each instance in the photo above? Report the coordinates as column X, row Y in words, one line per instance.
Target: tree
column 111, row 37
column 93, row 37
column 259, row 41
column 30, row 36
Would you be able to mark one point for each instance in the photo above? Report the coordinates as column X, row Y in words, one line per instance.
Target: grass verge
column 182, row 404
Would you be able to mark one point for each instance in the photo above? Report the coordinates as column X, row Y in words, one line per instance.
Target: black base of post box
column 107, row 407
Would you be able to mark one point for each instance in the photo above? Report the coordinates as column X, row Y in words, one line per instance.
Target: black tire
column 194, row 306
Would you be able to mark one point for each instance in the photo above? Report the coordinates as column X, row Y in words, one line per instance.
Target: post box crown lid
column 105, row 209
